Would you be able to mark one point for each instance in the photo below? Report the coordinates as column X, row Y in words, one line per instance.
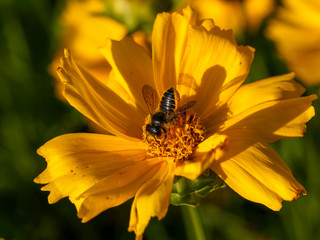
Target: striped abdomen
column 168, row 101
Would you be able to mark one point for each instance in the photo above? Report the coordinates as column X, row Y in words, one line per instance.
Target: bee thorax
column 158, row 118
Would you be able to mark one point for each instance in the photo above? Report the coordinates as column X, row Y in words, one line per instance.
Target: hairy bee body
column 168, row 110
column 168, row 102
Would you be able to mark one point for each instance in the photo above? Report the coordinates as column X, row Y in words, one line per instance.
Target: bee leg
column 165, row 133
column 155, row 138
column 147, row 138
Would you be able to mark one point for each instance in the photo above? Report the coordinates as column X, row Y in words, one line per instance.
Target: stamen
column 183, row 136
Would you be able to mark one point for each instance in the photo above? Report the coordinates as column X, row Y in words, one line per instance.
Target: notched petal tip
column 256, row 172
column 66, row 62
column 208, row 24
column 83, row 217
column 227, row 33
column 154, row 193
column 63, row 75
column 299, row 191
column 67, row 53
column 311, row 111
column 187, row 11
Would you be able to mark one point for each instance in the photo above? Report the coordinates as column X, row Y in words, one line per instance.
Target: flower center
column 178, row 139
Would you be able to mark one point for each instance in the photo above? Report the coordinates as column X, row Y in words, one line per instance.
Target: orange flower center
column 181, row 138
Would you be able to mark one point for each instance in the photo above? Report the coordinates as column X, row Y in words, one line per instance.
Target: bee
column 168, row 110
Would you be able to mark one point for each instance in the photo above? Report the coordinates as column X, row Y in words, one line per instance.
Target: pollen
column 183, row 135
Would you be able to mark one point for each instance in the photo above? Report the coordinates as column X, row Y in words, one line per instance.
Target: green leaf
column 188, row 192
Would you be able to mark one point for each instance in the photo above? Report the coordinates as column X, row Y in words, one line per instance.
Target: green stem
column 193, row 224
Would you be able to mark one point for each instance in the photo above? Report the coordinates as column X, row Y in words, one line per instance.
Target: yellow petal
column 259, row 92
column 226, row 14
column 212, row 76
column 257, row 11
column 255, row 171
column 289, row 28
column 77, row 162
column 236, row 15
column 275, row 119
column 169, row 37
column 152, row 199
column 117, row 187
column 84, row 29
column 207, row 151
column 269, row 89
column 132, row 68
column 96, row 101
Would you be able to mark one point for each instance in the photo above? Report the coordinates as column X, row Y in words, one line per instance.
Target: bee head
column 153, row 130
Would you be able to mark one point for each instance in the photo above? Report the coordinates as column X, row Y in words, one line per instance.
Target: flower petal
column 169, row 37
column 96, row 101
column 226, row 14
column 212, row 76
column 256, row 11
column 77, row 162
column 288, row 29
column 86, row 29
column 274, row 119
column 117, row 187
column 153, row 198
column 132, row 68
column 207, row 151
column 269, row 89
column 249, row 95
column 255, row 171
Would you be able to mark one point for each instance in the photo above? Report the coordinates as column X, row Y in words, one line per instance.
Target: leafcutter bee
column 168, row 110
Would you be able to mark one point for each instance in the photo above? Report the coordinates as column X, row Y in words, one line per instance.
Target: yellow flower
column 226, row 130
column 296, row 33
column 84, row 30
column 236, row 15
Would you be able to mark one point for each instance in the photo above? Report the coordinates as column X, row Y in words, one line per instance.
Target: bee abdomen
column 168, row 101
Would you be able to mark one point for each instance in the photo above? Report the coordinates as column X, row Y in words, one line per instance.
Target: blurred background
column 32, row 36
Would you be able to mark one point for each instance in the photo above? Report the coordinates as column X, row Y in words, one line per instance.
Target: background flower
column 295, row 29
column 236, row 15
column 85, row 28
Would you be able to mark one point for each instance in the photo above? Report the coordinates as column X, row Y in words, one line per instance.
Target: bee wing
column 185, row 107
column 150, row 97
